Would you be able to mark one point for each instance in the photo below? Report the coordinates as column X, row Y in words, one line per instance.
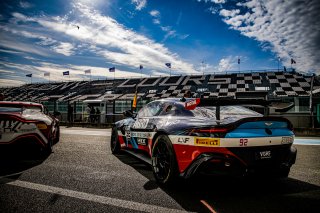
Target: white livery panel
column 230, row 142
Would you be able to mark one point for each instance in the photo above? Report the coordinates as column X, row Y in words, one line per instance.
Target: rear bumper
column 25, row 141
column 242, row 163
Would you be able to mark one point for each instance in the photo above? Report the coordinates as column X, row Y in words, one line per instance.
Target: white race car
column 27, row 125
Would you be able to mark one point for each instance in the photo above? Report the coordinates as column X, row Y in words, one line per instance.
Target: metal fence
column 298, row 120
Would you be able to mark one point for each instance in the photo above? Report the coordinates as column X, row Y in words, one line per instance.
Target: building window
column 122, row 106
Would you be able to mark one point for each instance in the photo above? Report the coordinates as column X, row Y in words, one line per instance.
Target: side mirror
column 128, row 114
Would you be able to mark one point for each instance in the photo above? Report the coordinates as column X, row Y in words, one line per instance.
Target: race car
column 27, row 125
column 182, row 137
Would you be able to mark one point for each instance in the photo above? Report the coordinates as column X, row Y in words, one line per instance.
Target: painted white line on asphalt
column 85, row 132
column 306, row 141
column 93, row 198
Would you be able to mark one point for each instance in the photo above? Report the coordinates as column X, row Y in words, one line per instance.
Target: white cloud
column 214, row 1
column 100, row 36
column 10, row 83
column 288, row 28
column 9, row 51
column 218, row 1
column 156, row 16
column 64, row 48
column 169, row 32
column 140, row 4
column 228, row 13
column 155, row 13
column 156, row 21
column 119, row 44
column 25, row 4
column 19, row 46
column 227, row 64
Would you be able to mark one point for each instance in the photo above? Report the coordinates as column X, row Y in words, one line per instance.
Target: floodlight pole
column 311, row 101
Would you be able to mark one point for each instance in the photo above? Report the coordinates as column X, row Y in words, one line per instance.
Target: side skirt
column 138, row 155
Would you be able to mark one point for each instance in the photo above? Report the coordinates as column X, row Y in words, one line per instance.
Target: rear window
column 10, row 109
column 210, row 112
column 30, row 110
column 23, row 109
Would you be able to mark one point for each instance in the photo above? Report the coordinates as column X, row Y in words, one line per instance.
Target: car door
column 140, row 133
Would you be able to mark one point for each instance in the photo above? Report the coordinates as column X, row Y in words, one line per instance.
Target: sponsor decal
column 140, row 134
column 142, row 141
column 265, row 154
column 183, row 140
column 207, row 142
column 243, row 142
column 9, row 126
column 141, row 123
column 128, row 135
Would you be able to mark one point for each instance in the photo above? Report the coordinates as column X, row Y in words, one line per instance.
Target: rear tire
column 283, row 173
column 164, row 163
column 57, row 137
column 114, row 141
column 47, row 150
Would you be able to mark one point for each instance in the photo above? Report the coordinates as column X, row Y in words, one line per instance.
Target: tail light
column 210, row 132
column 44, row 128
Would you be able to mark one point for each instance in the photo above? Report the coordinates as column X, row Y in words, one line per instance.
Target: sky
column 46, row 38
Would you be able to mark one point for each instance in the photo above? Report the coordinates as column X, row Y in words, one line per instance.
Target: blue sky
column 195, row 36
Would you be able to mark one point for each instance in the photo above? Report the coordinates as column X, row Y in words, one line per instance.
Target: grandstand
column 115, row 96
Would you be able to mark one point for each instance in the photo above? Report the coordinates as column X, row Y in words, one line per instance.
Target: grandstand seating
column 278, row 84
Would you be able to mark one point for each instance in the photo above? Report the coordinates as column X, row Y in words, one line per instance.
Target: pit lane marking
column 307, row 141
column 85, row 132
column 90, row 197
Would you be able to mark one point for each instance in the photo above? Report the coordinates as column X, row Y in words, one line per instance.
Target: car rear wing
column 278, row 105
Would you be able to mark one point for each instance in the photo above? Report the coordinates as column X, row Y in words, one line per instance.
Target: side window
column 152, row 109
column 168, row 109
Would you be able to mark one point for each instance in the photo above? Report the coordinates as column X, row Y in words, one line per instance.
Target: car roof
column 175, row 100
column 22, row 103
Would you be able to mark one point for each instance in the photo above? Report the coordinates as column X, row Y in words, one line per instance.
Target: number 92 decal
column 243, row 142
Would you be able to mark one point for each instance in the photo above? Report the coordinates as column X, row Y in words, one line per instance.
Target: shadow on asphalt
column 231, row 194
column 13, row 162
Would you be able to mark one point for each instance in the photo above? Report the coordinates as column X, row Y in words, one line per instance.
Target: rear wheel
column 114, row 142
column 164, row 164
column 47, row 150
column 57, row 136
column 283, row 173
